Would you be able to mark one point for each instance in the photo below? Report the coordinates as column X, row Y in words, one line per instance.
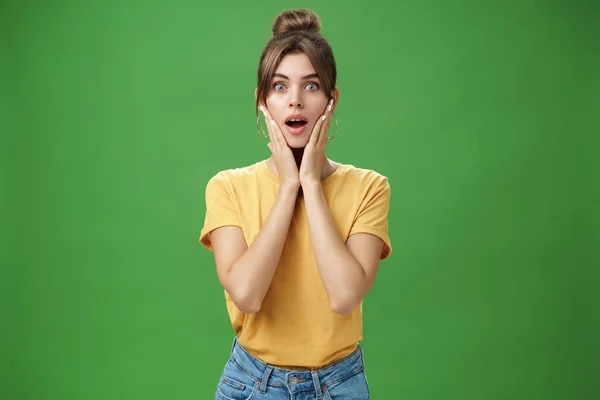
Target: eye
column 278, row 85
column 312, row 86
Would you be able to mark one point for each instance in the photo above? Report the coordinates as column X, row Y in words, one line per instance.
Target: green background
column 114, row 115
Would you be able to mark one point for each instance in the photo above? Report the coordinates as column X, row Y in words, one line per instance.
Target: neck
column 298, row 154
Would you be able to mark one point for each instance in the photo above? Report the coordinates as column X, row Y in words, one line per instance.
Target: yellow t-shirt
column 295, row 327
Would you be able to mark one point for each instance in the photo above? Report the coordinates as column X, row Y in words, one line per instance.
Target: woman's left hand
column 314, row 152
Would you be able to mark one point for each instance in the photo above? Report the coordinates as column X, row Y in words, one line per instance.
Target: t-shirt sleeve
column 220, row 208
column 372, row 217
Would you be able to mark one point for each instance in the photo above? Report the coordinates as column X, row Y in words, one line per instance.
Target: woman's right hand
column 287, row 170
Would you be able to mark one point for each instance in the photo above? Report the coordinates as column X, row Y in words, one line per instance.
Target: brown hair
column 296, row 31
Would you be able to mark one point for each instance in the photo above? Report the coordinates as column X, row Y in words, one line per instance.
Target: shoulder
column 364, row 177
column 237, row 175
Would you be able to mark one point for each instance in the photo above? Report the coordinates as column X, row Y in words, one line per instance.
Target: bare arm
column 347, row 270
column 246, row 272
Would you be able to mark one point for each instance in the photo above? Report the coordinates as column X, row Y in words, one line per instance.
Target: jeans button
column 294, row 380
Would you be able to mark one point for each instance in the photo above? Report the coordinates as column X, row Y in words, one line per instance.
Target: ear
column 336, row 96
column 256, row 95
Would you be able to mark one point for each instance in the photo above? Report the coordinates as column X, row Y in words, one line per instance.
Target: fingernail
column 323, row 118
column 329, row 108
column 273, row 122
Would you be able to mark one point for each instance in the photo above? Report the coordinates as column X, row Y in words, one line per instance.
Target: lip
column 296, row 131
column 296, row 116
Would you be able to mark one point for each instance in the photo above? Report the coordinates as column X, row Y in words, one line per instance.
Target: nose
column 295, row 99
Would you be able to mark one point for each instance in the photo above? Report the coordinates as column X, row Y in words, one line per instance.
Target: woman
column 296, row 238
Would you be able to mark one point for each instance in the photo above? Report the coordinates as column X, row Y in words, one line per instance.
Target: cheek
column 273, row 98
column 321, row 106
column 272, row 103
column 275, row 109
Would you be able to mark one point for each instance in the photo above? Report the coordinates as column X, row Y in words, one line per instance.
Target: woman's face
column 296, row 93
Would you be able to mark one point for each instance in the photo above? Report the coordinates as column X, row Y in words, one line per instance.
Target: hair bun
column 296, row 20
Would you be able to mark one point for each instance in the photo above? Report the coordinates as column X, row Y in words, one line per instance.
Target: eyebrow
column 304, row 77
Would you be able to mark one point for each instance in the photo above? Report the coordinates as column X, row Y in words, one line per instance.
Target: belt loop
column 317, row 384
column 265, row 379
column 233, row 344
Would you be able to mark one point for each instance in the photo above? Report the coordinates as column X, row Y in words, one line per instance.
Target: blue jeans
column 245, row 377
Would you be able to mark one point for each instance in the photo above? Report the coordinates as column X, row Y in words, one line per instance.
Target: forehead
column 295, row 65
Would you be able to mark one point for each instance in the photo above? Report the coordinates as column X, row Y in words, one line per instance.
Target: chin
column 297, row 142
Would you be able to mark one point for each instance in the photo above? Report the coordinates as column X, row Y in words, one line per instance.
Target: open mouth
column 296, row 124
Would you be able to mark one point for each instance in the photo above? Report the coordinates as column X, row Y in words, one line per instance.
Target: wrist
column 310, row 184
column 289, row 187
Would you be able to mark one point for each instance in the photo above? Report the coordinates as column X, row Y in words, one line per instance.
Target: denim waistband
column 296, row 380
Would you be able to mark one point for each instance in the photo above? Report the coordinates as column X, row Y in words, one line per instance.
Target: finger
column 316, row 134
column 324, row 132
column 323, row 123
column 274, row 131
column 278, row 134
column 327, row 124
column 330, row 107
column 270, row 126
column 324, row 137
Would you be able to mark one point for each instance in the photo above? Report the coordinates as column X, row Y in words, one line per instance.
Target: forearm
column 342, row 275
column 254, row 270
